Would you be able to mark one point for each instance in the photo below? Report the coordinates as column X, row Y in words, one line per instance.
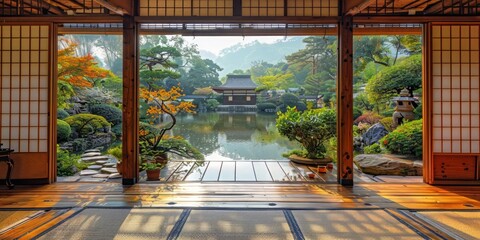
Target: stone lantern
column 404, row 108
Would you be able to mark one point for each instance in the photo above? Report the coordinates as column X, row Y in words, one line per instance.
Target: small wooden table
column 5, row 157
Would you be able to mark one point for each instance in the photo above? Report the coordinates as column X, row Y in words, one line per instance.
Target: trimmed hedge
column 266, row 105
column 62, row 114
column 85, row 124
column 405, row 140
column 111, row 113
column 63, row 131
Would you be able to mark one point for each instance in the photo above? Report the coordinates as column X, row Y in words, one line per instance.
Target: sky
column 216, row 44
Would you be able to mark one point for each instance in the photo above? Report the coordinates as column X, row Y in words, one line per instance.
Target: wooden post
column 130, row 152
column 345, row 101
column 427, row 104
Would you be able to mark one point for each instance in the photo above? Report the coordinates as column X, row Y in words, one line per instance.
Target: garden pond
column 234, row 136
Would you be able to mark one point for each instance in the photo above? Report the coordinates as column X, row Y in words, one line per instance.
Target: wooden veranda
column 451, row 50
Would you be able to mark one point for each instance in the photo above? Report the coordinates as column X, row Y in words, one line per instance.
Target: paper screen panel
column 455, row 93
column 24, row 87
column 186, row 8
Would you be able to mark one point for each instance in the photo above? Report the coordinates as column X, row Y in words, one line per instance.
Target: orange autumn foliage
column 78, row 71
column 164, row 101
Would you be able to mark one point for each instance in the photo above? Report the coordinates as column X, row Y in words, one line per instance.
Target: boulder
column 374, row 134
column 386, row 164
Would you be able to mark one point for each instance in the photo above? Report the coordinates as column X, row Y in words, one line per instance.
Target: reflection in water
column 234, row 136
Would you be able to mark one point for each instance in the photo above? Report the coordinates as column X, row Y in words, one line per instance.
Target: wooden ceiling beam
column 60, row 4
column 357, row 9
column 47, row 6
column 118, row 10
column 79, row 4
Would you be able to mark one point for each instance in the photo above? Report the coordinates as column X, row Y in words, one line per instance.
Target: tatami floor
column 234, row 210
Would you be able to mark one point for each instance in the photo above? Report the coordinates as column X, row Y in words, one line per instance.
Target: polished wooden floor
column 58, row 202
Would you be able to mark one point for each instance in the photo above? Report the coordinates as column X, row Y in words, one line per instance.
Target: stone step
column 88, row 172
column 109, row 165
column 91, row 150
column 91, row 154
column 94, row 159
column 101, row 175
column 109, row 170
column 95, row 167
column 115, row 175
column 101, row 162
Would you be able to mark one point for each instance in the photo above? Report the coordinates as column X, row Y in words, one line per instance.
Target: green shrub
column 369, row 118
column 372, row 149
column 62, row 114
column 356, row 112
column 67, row 163
column 266, row 105
column 212, row 104
column 405, row 140
column 301, row 106
column 85, row 124
column 310, row 128
column 289, row 99
column 111, row 113
column 63, row 131
column 117, row 130
column 116, row 152
column 387, row 122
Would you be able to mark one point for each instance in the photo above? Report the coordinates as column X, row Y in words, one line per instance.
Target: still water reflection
column 234, row 136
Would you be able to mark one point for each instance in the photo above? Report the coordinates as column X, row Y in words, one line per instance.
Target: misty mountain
column 241, row 56
column 208, row 55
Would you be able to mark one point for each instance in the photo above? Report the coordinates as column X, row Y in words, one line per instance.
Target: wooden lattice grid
column 24, row 83
column 455, row 93
column 248, row 8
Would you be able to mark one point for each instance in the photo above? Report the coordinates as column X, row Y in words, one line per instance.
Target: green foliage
column 110, row 113
column 405, row 140
column 62, row 114
column 310, row 128
column 372, row 149
column 152, row 166
column 85, row 124
column 116, row 152
column 212, row 104
column 266, row 105
column 289, row 99
column 356, row 112
column 63, row 131
column 68, row 164
column 391, row 80
column 117, row 130
column 298, row 152
column 387, row 122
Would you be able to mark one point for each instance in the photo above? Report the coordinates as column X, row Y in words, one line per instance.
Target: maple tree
column 76, row 71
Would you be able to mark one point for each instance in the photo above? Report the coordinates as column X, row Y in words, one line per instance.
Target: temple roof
column 242, row 82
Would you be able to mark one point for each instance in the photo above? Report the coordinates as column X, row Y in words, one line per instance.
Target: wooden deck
column 248, row 171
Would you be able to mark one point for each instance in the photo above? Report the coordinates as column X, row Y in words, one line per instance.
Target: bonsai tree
column 311, row 128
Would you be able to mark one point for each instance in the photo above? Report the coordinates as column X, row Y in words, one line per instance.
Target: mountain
column 242, row 56
column 208, row 55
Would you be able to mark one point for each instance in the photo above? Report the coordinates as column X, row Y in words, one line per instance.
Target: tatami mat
column 114, row 223
column 8, row 218
column 352, row 224
column 232, row 224
column 458, row 224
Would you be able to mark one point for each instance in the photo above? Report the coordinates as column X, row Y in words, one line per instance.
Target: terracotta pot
column 153, row 175
column 119, row 167
column 330, row 165
column 322, row 169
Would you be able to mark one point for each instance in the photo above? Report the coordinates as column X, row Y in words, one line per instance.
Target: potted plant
column 311, row 128
column 117, row 153
column 153, row 170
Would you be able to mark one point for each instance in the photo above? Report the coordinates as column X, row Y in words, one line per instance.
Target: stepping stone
column 68, row 179
column 92, row 180
column 95, row 167
column 101, row 162
column 88, row 172
column 94, row 159
column 109, row 164
column 90, row 154
column 115, row 175
column 91, row 150
column 109, row 170
column 101, row 175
